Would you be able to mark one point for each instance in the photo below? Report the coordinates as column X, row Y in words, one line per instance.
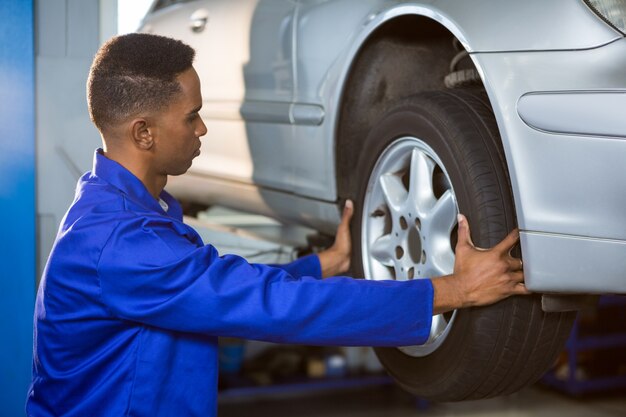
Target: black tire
column 492, row 350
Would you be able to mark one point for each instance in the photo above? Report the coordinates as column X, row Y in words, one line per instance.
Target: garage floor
column 535, row 401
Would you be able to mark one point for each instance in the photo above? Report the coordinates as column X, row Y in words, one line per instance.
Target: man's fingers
column 348, row 211
column 508, row 242
column 517, row 277
column 520, row 289
column 464, row 235
column 517, row 281
column 517, row 285
column 515, row 264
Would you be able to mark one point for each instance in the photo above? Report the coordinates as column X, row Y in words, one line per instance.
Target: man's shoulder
column 98, row 208
column 94, row 200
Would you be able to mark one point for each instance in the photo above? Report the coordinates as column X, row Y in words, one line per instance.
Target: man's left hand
column 336, row 259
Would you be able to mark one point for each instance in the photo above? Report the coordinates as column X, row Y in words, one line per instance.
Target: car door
column 244, row 57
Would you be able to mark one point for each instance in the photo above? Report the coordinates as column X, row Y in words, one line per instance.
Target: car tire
column 430, row 156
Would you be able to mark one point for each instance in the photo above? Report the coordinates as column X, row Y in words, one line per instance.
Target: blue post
column 17, row 202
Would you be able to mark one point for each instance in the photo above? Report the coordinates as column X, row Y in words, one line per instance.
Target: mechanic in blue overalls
column 132, row 301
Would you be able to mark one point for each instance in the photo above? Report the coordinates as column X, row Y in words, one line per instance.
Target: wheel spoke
column 382, row 250
column 443, row 261
column 393, row 190
column 438, row 325
column 380, row 271
column 400, row 272
column 443, row 214
column 421, row 178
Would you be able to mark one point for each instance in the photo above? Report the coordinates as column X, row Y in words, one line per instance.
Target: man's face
column 178, row 128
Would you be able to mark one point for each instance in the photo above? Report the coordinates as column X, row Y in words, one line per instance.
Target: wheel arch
column 381, row 69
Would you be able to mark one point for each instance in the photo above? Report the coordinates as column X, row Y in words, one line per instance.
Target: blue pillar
column 17, row 202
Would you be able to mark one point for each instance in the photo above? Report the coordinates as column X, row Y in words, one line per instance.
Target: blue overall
column 132, row 301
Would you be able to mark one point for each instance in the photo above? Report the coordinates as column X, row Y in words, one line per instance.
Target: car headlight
column 612, row 12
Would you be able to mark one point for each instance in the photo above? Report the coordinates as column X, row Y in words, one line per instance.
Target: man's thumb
column 464, row 235
column 348, row 210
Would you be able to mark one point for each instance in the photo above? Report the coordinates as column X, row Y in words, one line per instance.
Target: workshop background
column 47, row 142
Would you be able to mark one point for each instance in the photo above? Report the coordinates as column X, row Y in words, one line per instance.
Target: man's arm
column 150, row 272
column 480, row 277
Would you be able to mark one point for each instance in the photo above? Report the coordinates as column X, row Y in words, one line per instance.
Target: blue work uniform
column 131, row 303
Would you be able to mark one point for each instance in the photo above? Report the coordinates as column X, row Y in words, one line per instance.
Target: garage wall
column 68, row 34
column 46, row 142
column 17, row 202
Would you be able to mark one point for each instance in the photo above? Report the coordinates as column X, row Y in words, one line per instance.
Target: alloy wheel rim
column 409, row 218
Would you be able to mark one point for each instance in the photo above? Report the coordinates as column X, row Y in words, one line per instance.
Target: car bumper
column 573, row 264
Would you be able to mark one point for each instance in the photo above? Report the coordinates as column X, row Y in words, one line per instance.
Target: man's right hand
column 481, row 276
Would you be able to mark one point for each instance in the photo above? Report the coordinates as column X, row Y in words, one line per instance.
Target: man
column 131, row 301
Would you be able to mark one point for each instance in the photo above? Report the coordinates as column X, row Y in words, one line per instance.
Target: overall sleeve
column 306, row 266
column 150, row 273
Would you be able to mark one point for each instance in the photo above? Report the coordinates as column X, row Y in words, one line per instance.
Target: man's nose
column 202, row 130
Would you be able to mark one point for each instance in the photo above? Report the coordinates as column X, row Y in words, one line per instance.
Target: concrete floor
column 534, row 401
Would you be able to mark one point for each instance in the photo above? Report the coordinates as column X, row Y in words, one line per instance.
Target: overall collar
column 125, row 181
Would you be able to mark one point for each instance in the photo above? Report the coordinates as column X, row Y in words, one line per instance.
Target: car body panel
column 529, row 25
column 567, row 182
column 564, row 183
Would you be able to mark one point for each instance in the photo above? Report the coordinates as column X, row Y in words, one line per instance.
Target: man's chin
column 179, row 172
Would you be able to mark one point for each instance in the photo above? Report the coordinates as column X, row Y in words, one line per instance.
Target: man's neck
column 153, row 182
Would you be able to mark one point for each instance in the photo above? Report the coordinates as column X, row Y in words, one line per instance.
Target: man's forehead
column 190, row 96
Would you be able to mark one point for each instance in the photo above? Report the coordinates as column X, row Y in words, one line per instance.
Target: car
column 510, row 112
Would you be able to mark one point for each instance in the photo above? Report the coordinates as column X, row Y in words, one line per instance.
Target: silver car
column 511, row 112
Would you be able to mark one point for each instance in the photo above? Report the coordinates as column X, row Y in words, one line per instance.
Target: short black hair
column 134, row 73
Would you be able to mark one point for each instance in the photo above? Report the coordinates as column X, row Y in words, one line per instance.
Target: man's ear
column 141, row 132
